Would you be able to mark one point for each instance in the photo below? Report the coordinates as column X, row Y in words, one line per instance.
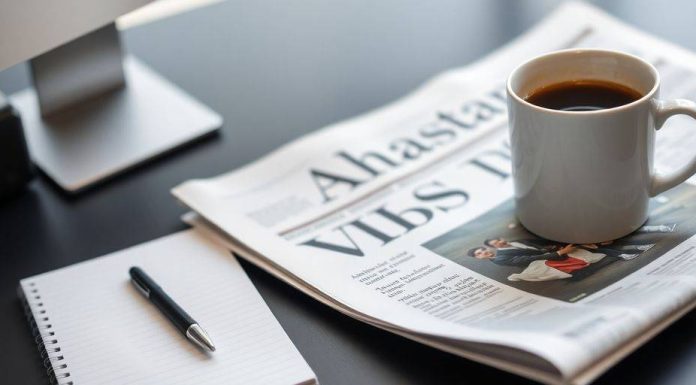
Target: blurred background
column 304, row 64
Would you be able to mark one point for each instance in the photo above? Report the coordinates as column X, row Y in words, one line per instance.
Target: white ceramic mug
column 583, row 177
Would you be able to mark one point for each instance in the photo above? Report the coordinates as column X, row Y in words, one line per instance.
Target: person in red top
column 568, row 264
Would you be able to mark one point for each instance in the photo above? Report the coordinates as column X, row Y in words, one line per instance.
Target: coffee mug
column 585, row 177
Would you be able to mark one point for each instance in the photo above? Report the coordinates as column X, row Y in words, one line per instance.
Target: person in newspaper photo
column 554, row 261
column 497, row 246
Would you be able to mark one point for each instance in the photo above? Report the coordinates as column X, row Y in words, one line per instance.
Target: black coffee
column 583, row 95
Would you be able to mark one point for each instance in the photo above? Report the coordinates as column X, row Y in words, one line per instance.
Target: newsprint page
column 403, row 218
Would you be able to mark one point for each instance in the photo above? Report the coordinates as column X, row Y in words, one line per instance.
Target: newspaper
column 403, row 218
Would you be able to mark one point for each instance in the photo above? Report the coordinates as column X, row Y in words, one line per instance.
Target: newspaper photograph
column 497, row 246
column 403, row 218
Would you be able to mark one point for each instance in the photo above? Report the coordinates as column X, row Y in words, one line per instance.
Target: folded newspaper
column 402, row 218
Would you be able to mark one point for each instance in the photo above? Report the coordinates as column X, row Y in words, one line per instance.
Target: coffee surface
column 583, row 95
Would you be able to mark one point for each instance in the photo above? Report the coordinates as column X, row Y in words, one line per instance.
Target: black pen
column 174, row 312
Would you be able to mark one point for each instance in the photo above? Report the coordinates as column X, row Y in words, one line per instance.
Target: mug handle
column 664, row 109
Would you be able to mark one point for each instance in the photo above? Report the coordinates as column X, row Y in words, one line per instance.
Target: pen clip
column 142, row 289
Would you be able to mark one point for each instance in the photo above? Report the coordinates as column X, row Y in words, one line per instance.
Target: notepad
column 93, row 327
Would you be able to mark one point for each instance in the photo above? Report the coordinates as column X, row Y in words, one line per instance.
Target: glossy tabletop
column 275, row 71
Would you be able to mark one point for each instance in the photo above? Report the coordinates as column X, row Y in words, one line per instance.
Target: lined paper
column 110, row 334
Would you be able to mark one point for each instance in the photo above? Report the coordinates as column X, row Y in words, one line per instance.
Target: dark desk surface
column 277, row 70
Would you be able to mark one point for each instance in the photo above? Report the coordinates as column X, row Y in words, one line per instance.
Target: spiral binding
column 44, row 336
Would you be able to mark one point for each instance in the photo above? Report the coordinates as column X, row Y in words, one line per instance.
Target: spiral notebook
column 93, row 327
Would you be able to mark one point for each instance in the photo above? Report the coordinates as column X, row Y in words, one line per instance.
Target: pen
column 186, row 325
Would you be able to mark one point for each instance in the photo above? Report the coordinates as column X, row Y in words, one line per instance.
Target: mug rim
column 648, row 95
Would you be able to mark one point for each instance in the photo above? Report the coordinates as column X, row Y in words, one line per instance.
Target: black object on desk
column 186, row 325
column 16, row 169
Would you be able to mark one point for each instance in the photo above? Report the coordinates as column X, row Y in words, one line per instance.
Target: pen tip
column 198, row 336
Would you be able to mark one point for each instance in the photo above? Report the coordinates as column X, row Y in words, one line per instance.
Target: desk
column 275, row 71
